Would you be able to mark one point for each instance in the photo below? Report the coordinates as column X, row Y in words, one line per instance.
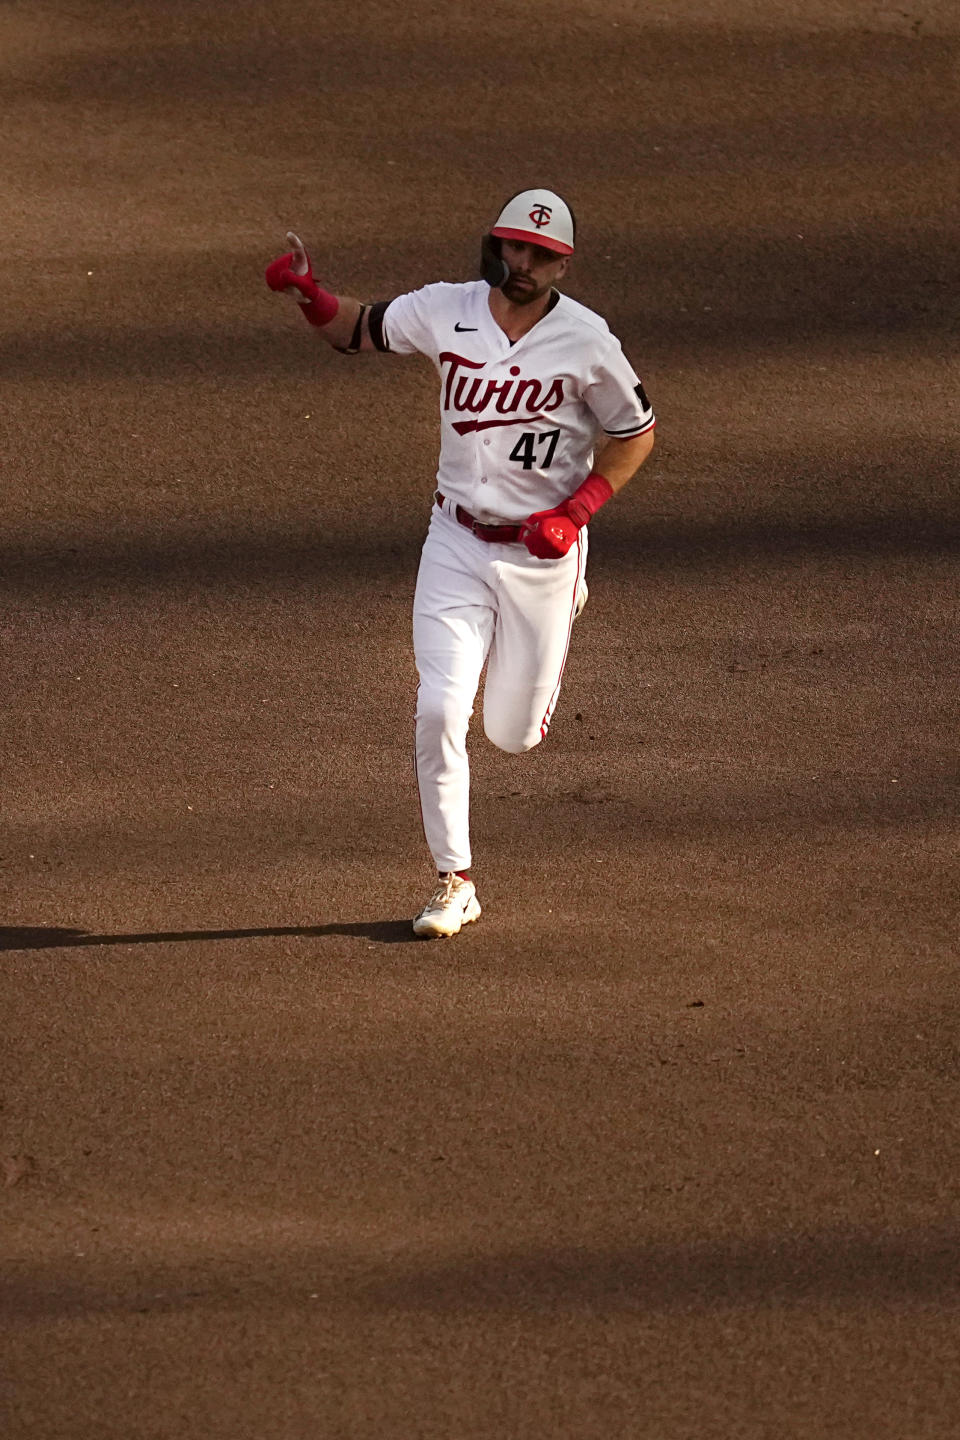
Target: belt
column 493, row 534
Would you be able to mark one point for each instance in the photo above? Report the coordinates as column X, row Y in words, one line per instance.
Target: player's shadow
column 54, row 937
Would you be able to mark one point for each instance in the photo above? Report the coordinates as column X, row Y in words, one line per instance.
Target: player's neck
column 517, row 320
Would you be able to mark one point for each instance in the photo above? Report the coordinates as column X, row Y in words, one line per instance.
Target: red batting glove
column 280, row 275
column 549, row 533
column 292, row 274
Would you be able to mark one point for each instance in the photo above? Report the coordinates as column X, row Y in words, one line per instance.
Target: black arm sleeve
column 375, row 325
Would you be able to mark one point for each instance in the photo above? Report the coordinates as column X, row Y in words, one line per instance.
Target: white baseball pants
column 479, row 603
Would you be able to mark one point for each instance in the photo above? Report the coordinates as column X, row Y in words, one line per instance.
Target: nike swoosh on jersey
column 461, row 329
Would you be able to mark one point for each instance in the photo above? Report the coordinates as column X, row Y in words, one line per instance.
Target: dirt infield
column 667, row 1145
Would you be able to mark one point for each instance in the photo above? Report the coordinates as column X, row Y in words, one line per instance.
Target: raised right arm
column 345, row 323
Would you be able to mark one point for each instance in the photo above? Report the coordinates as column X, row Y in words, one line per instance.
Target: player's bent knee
column 514, row 742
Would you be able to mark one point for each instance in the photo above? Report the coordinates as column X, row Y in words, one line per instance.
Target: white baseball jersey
column 518, row 420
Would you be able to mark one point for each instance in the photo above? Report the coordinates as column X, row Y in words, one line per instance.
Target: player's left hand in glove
column 549, row 533
column 292, row 274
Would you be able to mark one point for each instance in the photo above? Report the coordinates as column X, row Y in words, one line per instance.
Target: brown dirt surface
column 667, row 1145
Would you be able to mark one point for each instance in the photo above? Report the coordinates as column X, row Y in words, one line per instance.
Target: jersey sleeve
column 615, row 394
column 407, row 325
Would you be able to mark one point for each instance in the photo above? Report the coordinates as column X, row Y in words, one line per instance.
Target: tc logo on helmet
column 540, row 215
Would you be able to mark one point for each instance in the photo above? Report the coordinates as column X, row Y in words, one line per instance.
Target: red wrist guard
column 320, row 308
column 587, row 498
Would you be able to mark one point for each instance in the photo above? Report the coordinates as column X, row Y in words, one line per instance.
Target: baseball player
column 531, row 383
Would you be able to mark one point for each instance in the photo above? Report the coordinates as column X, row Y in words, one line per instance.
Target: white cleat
column 452, row 905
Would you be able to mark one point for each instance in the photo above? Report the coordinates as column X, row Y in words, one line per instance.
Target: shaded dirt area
column 667, row 1144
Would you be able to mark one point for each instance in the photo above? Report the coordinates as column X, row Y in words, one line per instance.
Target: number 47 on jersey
column 525, row 452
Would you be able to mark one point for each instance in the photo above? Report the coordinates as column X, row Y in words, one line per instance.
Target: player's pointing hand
column 292, row 274
column 301, row 260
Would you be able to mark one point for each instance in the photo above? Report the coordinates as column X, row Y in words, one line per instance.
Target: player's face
column 534, row 270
